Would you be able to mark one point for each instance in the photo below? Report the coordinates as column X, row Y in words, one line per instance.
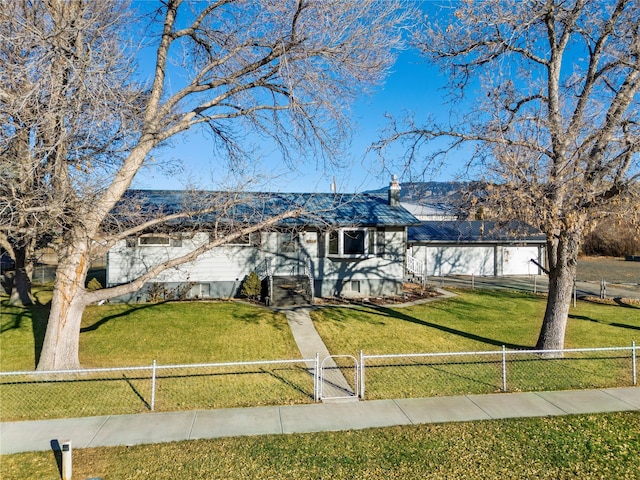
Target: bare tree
column 552, row 125
column 68, row 112
column 77, row 128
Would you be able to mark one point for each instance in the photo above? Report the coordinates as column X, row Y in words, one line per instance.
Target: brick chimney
column 394, row 192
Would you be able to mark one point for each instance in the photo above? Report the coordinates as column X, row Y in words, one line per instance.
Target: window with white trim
column 159, row 241
column 247, row 240
column 288, row 242
column 351, row 243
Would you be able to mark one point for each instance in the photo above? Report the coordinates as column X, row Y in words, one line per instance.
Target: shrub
column 251, row 286
column 156, row 292
column 94, row 284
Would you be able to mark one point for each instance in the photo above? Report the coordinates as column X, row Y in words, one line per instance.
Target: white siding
column 376, row 273
column 225, row 263
column 477, row 259
column 381, row 271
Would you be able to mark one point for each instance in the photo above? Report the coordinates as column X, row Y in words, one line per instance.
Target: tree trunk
column 61, row 342
column 563, row 257
column 21, row 281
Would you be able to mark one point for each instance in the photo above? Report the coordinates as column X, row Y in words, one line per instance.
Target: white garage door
column 459, row 260
column 517, row 260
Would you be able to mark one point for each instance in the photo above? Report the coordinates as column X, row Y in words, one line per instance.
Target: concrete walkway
column 334, row 385
column 175, row 426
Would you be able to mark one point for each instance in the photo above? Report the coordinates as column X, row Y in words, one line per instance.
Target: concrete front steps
column 291, row 290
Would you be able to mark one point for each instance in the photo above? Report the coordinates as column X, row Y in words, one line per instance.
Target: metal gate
column 336, row 380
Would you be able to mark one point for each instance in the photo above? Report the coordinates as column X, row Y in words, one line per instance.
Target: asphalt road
column 536, row 284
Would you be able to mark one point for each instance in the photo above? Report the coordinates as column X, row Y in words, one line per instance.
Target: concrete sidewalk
column 175, row 426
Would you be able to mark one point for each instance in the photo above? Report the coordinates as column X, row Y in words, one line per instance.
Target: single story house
column 476, row 247
column 342, row 245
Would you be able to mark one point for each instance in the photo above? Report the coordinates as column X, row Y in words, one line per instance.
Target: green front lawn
column 473, row 321
column 170, row 333
column 214, row 332
column 477, row 321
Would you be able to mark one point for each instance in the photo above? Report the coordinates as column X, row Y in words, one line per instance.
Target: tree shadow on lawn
column 601, row 322
column 471, row 336
column 128, row 311
column 38, row 313
column 624, row 303
column 253, row 317
column 617, row 301
column 16, row 322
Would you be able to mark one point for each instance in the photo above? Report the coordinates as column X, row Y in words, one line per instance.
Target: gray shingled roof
column 324, row 209
column 474, row 231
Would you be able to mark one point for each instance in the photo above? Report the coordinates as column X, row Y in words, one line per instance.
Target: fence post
column 633, row 363
column 153, row 385
column 473, row 282
column 316, row 379
column 504, row 369
column 67, row 460
column 361, row 374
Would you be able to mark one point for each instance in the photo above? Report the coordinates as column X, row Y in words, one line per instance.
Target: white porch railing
column 415, row 266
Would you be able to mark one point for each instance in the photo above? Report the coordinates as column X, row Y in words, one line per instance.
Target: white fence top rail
column 499, row 352
column 312, row 360
column 236, row 364
column 157, row 367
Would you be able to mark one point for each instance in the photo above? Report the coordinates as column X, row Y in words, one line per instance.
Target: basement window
column 353, row 286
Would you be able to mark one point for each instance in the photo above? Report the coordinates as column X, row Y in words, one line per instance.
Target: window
column 333, row 243
column 354, row 242
column 200, row 290
column 288, row 242
column 159, row 241
column 351, row 243
column 248, row 240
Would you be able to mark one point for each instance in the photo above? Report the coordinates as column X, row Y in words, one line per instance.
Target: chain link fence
column 461, row 373
column 539, row 284
column 111, row 391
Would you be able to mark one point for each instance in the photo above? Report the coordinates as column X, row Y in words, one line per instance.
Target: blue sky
column 412, row 86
